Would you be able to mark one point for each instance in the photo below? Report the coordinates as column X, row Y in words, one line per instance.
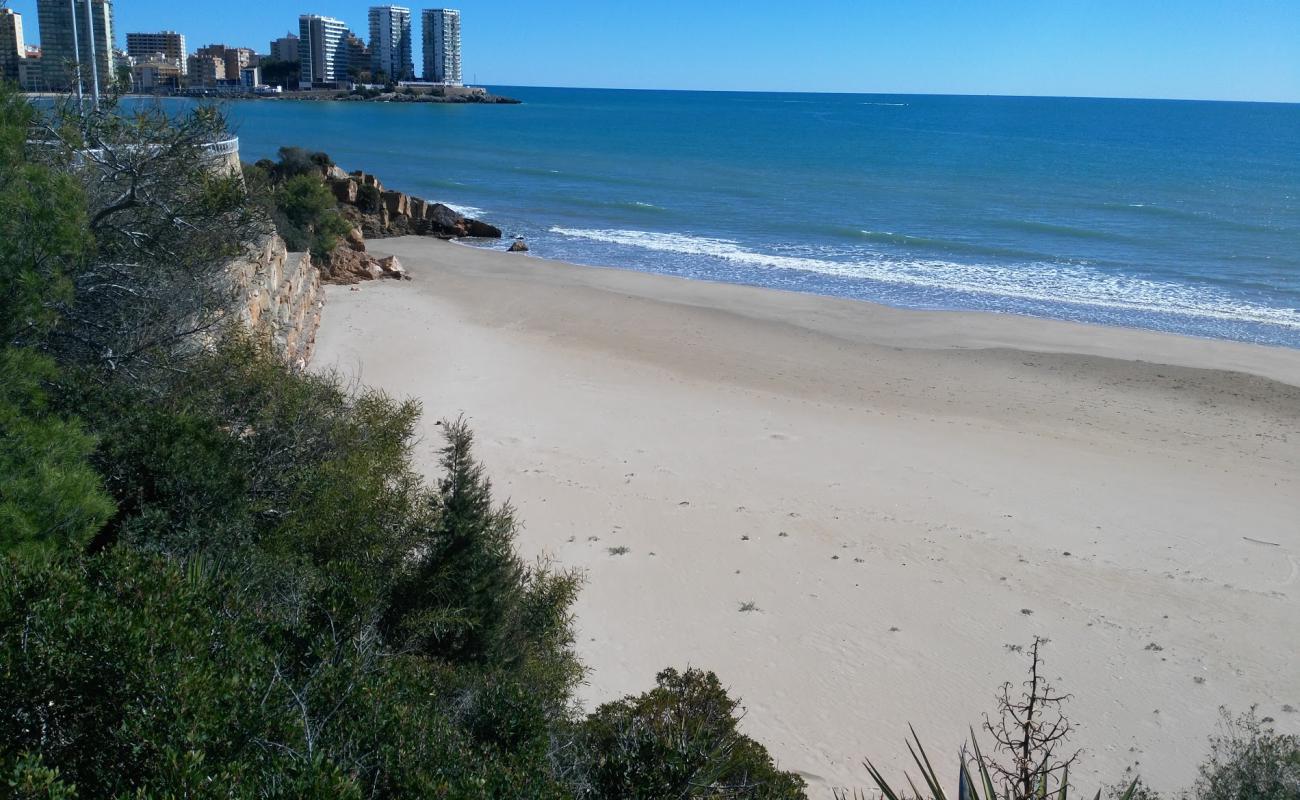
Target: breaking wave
column 1039, row 281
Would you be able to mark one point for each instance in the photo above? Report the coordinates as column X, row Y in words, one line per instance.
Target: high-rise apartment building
column 322, row 50
column 441, row 28
column 145, row 47
column 284, row 49
column 13, row 49
column 390, row 42
column 76, row 43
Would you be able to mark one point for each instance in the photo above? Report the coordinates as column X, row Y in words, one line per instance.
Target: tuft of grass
column 749, row 606
column 619, row 551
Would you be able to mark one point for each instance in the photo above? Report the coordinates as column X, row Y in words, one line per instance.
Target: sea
column 1166, row 215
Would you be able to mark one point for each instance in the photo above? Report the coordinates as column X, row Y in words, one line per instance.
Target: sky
column 1190, row 49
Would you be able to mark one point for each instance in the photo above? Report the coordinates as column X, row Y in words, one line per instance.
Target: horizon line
column 896, row 94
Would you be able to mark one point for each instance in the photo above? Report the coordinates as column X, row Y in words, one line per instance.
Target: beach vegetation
column 679, row 739
column 1249, row 759
column 291, row 192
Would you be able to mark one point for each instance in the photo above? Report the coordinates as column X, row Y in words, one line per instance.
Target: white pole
column 94, row 61
column 76, row 47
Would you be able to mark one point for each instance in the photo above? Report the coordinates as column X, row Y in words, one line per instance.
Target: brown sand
column 902, row 494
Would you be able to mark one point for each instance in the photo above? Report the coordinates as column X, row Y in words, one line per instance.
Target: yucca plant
column 979, row 786
column 1029, row 735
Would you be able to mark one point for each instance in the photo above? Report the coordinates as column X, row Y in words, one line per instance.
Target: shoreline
column 974, row 329
column 903, row 495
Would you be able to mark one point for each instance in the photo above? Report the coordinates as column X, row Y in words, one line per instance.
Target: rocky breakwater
column 379, row 213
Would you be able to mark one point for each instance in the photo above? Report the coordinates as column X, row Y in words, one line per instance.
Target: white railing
column 221, row 149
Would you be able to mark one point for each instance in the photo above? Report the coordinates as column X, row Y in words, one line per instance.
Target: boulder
column 355, row 240
column 392, row 268
column 347, row 266
column 397, row 203
column 445, row 222
column 518, row 246
column 480, row 229
column 345, row 190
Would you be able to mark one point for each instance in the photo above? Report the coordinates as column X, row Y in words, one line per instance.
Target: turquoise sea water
column 1178, row 216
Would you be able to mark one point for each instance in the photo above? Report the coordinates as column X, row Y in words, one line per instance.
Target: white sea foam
column 1077, row 284
column 467, row 211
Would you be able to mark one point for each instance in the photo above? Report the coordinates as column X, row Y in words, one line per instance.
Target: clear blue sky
column 1210, row 49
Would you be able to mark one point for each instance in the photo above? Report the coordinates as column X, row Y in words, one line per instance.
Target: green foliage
column 52, row 497
column 242, row 460
column 975, row 781
column 369, row 198
column 677, row 740
column 295, row 161
column 43, row 232
column 131, row 673
column 1250, row 761
column 29, row 779
column 293, row 194
column 468, row 598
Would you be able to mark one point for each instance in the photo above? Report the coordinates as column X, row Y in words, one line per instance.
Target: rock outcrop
column 380, row 213
column 347, row 266
column 280, row 297
column 519, row 246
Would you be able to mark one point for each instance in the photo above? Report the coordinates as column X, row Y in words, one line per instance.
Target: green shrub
column 306, row 214
column 369, row 198
column 295, row 161
column 1250, row 761
column 52, row 498
column 677, row 740
column 29, row 779
column 468, row 598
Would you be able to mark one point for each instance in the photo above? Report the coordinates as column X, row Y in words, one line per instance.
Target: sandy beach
column 903, row 496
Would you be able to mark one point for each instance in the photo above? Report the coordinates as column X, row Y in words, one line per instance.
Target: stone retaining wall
column 281, row 297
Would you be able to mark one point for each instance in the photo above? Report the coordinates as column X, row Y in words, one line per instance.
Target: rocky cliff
column 380, row 213
column 280, row 297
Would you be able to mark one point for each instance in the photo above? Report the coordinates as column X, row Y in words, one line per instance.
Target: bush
column 467, row 598
column 1250, row 761
column 52, row 497
column 307, row 215
column 295, row 161
column 677, row 740
column 369, row 198
column 128, row 673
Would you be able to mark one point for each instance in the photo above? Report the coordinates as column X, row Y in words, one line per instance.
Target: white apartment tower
column 390, row 42
column 441, row 28
column 322, row 50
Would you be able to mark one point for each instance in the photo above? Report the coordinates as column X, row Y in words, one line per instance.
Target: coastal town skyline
column 1249, row 51
column 80, row 46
